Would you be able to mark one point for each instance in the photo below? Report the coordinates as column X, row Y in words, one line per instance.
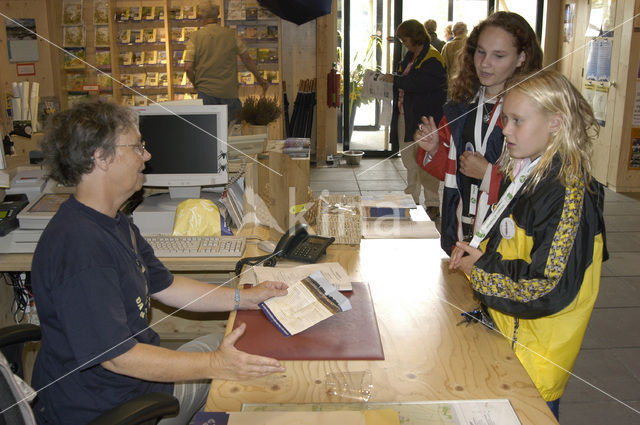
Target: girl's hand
column 427, row 135
column 458, row 261
column 473, row 164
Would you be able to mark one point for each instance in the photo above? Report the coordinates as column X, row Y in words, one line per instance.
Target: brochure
column 308, row 301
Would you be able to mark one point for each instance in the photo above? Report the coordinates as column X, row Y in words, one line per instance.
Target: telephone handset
column 298, row 245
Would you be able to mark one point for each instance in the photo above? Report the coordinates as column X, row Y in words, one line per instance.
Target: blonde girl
column 538, row 267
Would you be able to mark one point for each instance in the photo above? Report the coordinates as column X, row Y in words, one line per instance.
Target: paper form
column 333, row 272
column 399, row 229
column 296, row 418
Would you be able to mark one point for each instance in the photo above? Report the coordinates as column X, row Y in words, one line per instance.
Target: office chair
column 146, row 409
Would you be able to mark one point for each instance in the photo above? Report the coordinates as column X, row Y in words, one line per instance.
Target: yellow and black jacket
column 540, row 273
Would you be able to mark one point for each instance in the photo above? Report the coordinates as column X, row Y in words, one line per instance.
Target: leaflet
column 308, row 301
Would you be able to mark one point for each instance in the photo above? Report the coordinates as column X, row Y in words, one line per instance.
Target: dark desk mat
column 349, row 335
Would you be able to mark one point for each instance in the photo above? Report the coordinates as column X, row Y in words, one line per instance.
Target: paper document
column 399, row 229
column 308, row 301
column 388, row 200
column 4, row 179
column 280, row 418
column 373, row 86
column 455, row 412
column 334, row 272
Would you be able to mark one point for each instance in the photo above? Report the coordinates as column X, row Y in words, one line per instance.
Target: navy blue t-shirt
column 92, row 292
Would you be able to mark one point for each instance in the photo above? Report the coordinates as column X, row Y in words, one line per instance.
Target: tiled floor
column 605, row 388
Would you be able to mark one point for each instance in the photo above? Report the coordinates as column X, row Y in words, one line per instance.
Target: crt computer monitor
column 188, row 147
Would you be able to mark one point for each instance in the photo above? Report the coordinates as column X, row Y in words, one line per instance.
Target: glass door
column 365, row 42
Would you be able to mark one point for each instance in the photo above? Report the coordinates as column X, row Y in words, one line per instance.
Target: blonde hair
column 572, row 143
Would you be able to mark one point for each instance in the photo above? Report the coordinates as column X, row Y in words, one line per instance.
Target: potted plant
column 258, row 113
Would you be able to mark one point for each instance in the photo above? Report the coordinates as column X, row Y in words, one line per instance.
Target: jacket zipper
column 516, row 324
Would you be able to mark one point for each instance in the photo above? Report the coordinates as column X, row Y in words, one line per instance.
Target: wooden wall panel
column 611, row 151
column 621, row 178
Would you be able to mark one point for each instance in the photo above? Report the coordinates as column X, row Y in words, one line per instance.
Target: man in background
column 211, row 64
column 451, row 50
column 431, row 26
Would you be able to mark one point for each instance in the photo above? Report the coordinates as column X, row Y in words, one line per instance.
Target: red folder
column 349, row 335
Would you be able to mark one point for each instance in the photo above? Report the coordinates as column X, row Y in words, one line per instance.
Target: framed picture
column 24, row 69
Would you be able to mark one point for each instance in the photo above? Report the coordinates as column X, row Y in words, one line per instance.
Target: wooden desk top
column 418, row 304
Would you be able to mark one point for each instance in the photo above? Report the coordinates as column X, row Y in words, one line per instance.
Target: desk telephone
column 298, row 245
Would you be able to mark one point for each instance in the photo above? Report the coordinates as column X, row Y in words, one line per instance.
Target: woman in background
column 420, row 88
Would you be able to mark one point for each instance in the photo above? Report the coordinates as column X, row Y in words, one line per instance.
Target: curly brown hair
column 73, row 136
column 465, row 83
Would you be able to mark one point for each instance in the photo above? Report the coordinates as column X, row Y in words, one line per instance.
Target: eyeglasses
column 139, row 148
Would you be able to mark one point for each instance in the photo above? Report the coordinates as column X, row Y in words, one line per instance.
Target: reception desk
column 428, row 356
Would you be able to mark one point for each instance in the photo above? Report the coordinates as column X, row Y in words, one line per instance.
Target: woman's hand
column 250, row 298
column 229, row 363
column 459, row 261
column 427, row 135
column 386, row 77
column 473, row 164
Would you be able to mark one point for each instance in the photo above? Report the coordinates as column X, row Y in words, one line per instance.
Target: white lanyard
column 481, row 144
column 502, row 204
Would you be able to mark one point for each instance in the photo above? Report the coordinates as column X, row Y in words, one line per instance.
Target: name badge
column 507, row 228
column 473, row 201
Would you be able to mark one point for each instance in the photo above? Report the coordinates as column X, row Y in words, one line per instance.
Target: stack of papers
column 334, row 272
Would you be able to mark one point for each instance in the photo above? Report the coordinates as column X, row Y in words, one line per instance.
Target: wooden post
column 326, row 55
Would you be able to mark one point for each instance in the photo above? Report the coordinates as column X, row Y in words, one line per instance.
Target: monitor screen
column 187, row 143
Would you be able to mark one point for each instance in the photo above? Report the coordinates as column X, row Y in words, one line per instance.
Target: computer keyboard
column 196, row 246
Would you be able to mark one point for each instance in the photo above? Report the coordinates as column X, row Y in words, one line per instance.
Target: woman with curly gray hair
column 93, row 277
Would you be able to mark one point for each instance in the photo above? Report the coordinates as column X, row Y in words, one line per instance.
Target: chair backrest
column 12, row 339
column 15, row 396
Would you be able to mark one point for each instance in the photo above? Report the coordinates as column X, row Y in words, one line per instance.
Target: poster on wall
column 634, row 155
column 636, row 106
column 596, row 96
column 569, row 22
column 599, row 51
column 22, row 41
